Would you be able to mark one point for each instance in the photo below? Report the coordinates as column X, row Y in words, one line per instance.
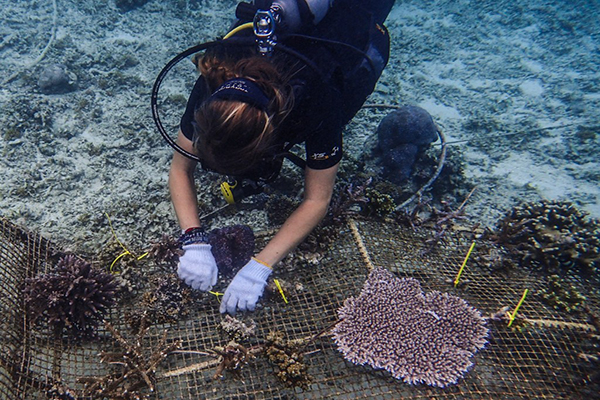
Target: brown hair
column 232, row 137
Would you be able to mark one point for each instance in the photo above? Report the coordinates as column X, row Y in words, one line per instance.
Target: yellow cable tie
column 216, row 293
column 114, row 234
column 514, row 313
column 126, row 250
column 462, row 267
column 280, row 290
column 117, row 259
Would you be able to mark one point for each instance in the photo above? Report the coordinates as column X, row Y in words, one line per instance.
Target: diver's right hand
column 197, row 267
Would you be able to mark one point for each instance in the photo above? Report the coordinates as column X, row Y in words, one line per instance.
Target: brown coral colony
column 552, row 235
column 75, row 297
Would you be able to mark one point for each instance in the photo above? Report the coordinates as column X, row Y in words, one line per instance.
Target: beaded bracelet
column 194, row 235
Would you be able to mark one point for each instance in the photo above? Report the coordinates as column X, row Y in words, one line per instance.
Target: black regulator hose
column 234, row 41
column 165, row 71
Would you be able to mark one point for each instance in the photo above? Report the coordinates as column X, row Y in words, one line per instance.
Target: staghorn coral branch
column 136, row 369
column 201, row 366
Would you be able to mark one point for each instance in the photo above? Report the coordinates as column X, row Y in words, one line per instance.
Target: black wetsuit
column 325, row 101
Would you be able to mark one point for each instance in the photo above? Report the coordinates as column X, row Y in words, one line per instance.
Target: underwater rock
column 398, row 162
column 408, row 124
column 56, row 79
column 401, row 135
column 232, row 247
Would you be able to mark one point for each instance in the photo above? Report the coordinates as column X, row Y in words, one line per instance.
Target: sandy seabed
column 514, row 84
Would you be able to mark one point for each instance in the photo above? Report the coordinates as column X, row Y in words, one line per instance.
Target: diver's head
column 232, row 136
column 236, row 125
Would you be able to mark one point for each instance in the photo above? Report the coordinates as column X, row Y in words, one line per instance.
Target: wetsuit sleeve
column 199, row 93
column 324, row 149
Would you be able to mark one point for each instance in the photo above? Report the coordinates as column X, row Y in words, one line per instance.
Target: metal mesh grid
column 539, row 362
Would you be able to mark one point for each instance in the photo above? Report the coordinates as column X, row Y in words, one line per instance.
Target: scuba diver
column 308, row 69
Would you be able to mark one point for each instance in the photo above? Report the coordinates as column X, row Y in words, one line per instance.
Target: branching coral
column 165, row 251
column 288, row 356
column 233, row 357
column 553, row 235
column 167, row 301
column 562, row 295
column 135, row 368
column 379, row 204
column 59, row 391
column 349, row 201
column 420, row 338
column 74, row 297
column 232, row 246
column 236, row 329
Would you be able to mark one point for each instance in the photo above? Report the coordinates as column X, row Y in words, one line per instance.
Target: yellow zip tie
column 115, row 235
column 280, row 290
column 514, row 313
column 462, row 267
column 126, row 252
column 216, row 293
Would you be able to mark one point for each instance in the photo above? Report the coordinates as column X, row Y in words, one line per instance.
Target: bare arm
column 182, row 187
column 317, row 195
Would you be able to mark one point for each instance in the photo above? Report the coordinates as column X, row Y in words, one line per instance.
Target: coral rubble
column 232, row 246
column 74, row 297
column 553, row 235
column 418, row 337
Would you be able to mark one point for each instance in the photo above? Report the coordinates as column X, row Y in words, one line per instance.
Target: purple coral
column 420, row 338
column 232, row 246
column 75, row 297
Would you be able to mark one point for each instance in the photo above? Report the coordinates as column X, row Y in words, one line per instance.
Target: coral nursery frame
column 542, row 357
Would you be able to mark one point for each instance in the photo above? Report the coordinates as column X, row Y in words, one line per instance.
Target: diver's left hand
column 246, row 287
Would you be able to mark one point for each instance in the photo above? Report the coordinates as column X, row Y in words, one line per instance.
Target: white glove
column 197, row 267
column 245, row 288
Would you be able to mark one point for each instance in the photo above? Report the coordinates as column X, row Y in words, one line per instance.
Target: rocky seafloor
column 514, row 86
